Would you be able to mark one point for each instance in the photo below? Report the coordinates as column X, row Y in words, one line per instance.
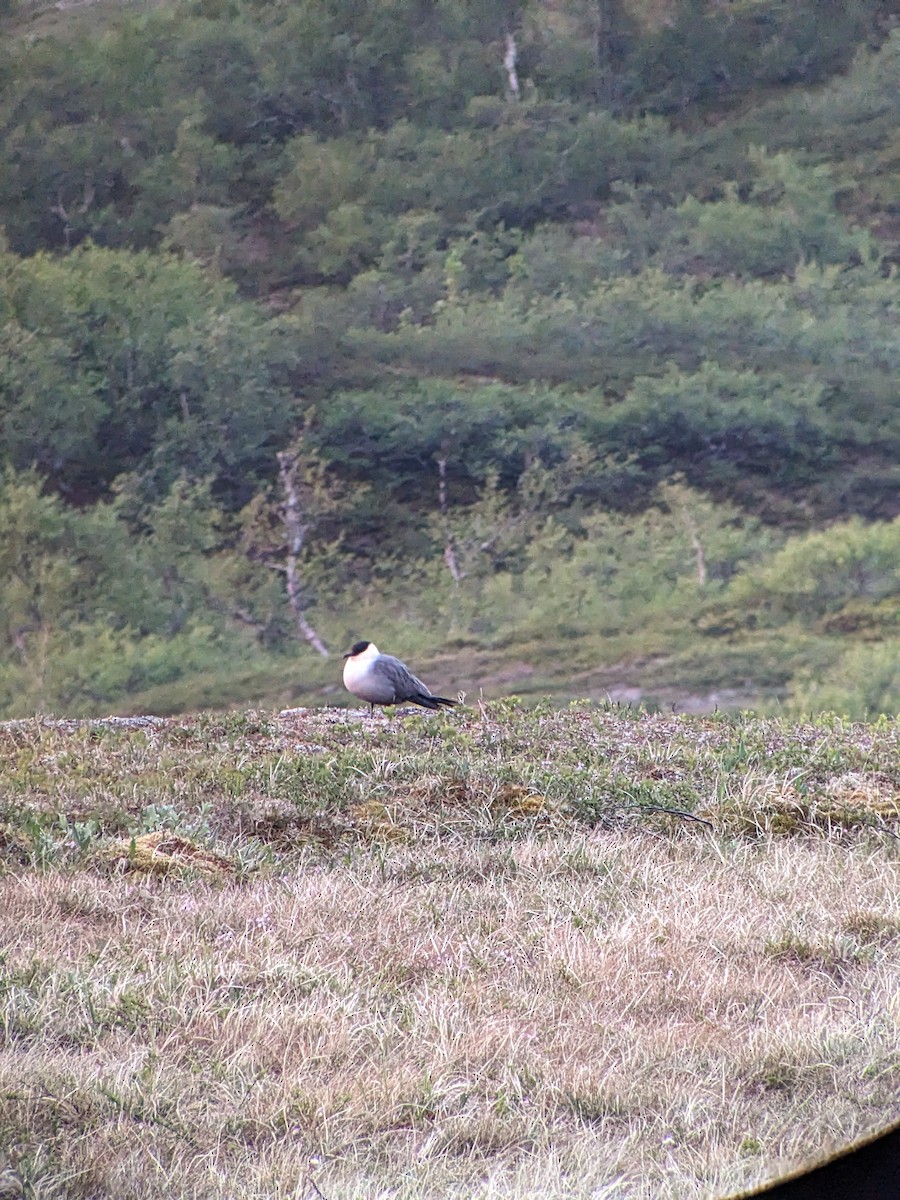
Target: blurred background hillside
column 551, row 345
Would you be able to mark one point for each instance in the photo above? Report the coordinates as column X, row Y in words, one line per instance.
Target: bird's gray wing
column 391, row 670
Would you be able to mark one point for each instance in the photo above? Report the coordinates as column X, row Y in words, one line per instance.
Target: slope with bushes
column 569, row 350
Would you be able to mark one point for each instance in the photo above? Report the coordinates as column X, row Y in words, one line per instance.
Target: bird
column 382, row 679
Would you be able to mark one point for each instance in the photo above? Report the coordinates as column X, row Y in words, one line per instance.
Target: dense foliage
column 580, row 318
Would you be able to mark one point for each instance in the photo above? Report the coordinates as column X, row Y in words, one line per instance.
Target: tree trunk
column 694, row 534
column 296, row 532
column 449, row 551
column 509, row 62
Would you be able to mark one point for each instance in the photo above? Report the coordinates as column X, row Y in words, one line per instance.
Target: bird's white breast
column 357, row 670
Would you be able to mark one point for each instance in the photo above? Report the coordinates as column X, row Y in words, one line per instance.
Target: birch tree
column 281, row 527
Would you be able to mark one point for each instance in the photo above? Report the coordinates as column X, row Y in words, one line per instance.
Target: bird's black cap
column 357, row 648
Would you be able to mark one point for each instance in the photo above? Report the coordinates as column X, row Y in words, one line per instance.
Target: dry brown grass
column 461, row 991
column 618, row 1012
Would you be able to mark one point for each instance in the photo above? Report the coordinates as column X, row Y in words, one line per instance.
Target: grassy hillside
column 493, row 953
column 565, row 334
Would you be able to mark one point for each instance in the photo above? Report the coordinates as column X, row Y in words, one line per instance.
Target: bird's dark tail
column 432, row 702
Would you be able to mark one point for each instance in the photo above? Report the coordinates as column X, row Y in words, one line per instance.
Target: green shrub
column 820, row 572
column 718, row 424
column 861, row 685
column 793, row 220
column 112, row 362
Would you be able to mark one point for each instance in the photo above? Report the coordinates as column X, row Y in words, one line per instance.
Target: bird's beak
column 349, row 654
